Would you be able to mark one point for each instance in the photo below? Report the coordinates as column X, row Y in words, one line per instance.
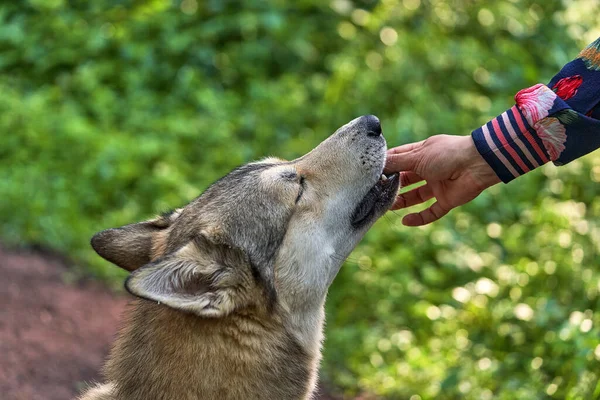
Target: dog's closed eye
column 289, row 175
column 302, row 187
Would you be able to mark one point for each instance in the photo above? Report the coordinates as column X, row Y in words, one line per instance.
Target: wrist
column 481, row 172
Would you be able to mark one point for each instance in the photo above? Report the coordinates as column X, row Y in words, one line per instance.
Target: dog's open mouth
column 376, row 201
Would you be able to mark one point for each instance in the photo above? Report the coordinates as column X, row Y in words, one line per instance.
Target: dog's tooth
column 383, row 177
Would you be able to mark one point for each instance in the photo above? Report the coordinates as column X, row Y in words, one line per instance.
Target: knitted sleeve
column 558, row 122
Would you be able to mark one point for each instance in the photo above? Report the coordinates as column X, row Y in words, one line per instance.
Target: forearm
column 559, row 122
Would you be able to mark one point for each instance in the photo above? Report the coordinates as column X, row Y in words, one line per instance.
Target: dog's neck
column 303, row 277
column 243, row 355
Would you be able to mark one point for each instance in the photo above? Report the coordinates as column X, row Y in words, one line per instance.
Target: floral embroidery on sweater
column 591, row 56
column 553, row 135
column 567, row 116
column 535, row 102
column 567, row 87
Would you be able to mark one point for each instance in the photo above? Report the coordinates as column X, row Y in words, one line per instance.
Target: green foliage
column 112, row 111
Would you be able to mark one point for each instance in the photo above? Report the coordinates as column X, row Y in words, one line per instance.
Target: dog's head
column 270, row 233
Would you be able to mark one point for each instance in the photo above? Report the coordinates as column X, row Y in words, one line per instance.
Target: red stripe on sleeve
column 507, row 146
column 525, row 132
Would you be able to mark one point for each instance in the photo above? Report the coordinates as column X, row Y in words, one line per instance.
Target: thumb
column 402, row 158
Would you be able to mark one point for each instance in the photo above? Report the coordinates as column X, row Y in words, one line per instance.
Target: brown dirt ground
column 54, row 336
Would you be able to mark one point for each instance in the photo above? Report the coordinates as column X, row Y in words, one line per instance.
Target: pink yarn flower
column 535, row 102
column 553, row 135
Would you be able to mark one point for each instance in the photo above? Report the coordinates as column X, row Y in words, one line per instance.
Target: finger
column 405, row 148
column 400, row 162
column 433, row 213
column 408, row 178
column 402, row 158
column 412, row 197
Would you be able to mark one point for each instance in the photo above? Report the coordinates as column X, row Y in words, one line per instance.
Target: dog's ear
column 130, row 246
column 202, row 277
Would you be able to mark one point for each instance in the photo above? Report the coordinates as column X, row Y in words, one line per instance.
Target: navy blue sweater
column 558, row 122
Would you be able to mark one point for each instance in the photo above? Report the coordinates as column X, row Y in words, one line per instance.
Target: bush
column 113, row 111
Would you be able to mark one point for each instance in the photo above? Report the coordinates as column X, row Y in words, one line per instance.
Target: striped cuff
column 510, row 145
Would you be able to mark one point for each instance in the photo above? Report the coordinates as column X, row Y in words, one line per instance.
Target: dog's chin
column 376, row 202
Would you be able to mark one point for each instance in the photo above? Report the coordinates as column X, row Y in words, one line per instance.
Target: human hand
column 454, row 171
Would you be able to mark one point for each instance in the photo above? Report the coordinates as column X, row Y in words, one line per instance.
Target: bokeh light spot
column 523, row 312
column 388, row 36
column 494, row 230
column 536, row 363
column 485, row 17
column 189, row 7
column 346, row 30
column 374, row 60
column 461, row 294
column 411, row 4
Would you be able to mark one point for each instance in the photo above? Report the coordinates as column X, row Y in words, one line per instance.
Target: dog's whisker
column 388, row 219
column 350, row 260
column 338, row 257
column 392, row 222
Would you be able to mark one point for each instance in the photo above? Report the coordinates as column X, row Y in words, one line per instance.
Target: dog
column 232, row 286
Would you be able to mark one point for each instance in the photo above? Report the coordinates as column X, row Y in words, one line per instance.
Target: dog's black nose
column 372, row 124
